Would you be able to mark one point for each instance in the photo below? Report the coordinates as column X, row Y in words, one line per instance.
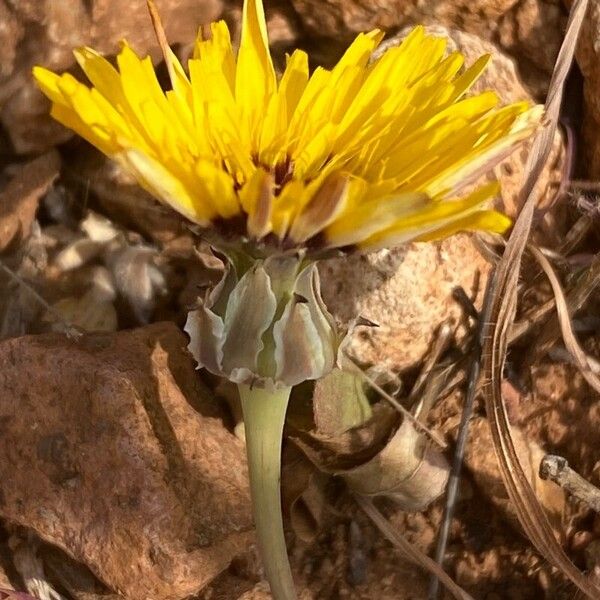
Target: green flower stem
column 264, row 416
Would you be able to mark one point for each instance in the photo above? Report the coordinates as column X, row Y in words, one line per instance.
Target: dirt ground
column 122, row 468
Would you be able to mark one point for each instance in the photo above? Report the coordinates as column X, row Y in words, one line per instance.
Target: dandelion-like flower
column 279, row 171
column 365, row 154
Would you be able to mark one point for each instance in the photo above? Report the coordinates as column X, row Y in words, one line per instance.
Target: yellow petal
column 286, row 206
column 483, row 220
column 281, row 108
column 217, row 189
column 257, row 199
column 373, row 216
column 327, row 202
column 255, row 76
column 166, row 186
column 216, row 54
column 434, row 216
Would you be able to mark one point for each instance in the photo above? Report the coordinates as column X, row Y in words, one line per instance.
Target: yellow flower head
column 367, row 154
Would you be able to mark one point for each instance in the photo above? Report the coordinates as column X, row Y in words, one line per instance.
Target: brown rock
column 45, row 32
column 111, row 451
column 531, row 29
column 534, row 29
column 11, row 33
column 407, row 291
column 113, row 20
column 49, row 31
column 335, row 18
column 588, row 55
column 26, row 117
column 20, row 198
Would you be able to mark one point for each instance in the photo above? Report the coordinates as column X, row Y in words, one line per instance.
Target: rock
column 20, row 198
column 11, row 33
column 346, row 18
column 111, row 450
column 408, row 290
column 534, row 29
column 588, row 55
column 531, row 28
column 564, row 411
column 26, row 117
column 113, row 20
column 45, row 32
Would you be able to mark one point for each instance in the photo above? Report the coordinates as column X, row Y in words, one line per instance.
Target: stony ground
column 122, row 470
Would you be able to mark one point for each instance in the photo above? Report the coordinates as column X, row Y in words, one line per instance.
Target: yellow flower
column 367, row 154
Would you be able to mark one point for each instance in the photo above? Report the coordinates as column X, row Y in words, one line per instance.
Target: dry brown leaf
column 19, row 200
column 408, row 470
column 354, row 447
column 504, row 301
column 376, row 458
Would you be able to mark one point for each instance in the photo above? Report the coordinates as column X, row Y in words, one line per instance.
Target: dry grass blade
column 440, row 344
column 576, row 234
column 564, row 319
column 529, row 511
column 461, row 442
column 576, row 297
column 413, row 554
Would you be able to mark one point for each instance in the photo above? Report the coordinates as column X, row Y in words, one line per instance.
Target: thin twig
column 439, row 346
column 556, row 468
column 408, row 550
column 576, row 234
column 459, row 294
column 461, row 441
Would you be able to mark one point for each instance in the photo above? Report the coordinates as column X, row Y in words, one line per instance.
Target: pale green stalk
column 264, row 417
